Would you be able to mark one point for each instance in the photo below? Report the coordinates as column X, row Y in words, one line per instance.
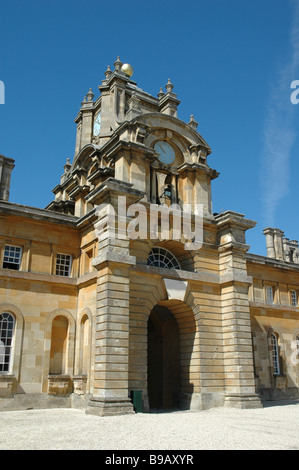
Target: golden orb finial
column 127, row 69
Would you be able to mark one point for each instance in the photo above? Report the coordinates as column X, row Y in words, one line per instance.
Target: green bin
column 136, row 397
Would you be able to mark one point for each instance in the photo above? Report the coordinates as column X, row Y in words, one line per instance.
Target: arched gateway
column 171, row 354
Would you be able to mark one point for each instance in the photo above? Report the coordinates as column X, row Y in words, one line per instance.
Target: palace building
column 112, row 323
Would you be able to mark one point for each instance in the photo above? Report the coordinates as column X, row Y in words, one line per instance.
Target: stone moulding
column 7, row 385
column 242, row 400
column 60, row 385
column 109, row 406
column 79, row 382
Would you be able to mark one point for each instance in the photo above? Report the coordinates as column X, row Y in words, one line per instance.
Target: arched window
column 275, row 354
column 59, row 337
column 162, row 258
column 7, row 326
column 85, row 345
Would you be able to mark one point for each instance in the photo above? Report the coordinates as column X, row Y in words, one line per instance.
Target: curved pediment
column 85, row 153
column 156, row 121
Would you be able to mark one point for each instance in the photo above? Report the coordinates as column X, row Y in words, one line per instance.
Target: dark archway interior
column 163, row 360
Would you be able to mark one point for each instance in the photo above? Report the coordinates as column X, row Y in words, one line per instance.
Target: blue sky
column 231, row 62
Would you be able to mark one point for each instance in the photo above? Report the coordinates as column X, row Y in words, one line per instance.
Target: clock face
column 97, row 125
column 165, row 151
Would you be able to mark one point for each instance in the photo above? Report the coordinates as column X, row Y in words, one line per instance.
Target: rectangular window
column 269, row 295
column 12, row 257
column 63, row 265
column 275, row 355
column 88, row 260
column 293, row 298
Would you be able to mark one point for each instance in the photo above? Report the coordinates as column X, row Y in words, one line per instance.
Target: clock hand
column 161, row 146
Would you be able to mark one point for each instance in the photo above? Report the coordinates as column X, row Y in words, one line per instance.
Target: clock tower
column 137, row 138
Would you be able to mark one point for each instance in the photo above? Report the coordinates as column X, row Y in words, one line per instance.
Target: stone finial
column 168, row 101
column 90, row 95
column 117, row 64
column 108, row 72
column 134, row 101
column 192, row 123
column 134, row 107
column 161, row 93
column 169, row 86
column 67, row 166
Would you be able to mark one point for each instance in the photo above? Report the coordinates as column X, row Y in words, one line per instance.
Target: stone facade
column 92, row 317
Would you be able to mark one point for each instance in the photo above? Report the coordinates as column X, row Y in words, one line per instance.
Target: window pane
column 269, row 295
column 275, row 354
column 12, row 257
column 293, row 298
column 6, row 333
column 63, row 265
column 162, row 258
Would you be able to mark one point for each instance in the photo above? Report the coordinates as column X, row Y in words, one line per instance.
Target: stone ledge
column 242, row 400
column 110, row 406
column 50, row 278
column 37, row 214
column 207, row 278
column 7, row 385
column 60, row 385
column 266, row 306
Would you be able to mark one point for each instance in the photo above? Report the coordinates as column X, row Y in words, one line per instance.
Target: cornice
column 37, row 214
column 271, row 262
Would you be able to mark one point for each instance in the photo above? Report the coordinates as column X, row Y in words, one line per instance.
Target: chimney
column 291, row 250
column 281, row 248
column 278, row 244
column 274, row 243
column 269, row 234
column 6, row 167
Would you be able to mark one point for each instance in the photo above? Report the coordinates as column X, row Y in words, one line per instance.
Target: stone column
column 85, row 124
column 113, row 263
column 111, row 362
column 197, row 186
column 236, row 326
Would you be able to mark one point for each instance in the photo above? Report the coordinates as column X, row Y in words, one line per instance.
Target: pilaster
column 111, row 361
column 237, row 342
column 113, row 264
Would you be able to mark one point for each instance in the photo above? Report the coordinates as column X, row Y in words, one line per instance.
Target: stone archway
column 172, row 356
column 163, row 360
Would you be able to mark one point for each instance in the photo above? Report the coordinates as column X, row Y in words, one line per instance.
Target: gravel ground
column 269, row 428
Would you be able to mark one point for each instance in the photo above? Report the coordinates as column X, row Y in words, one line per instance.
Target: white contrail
column 280, row 132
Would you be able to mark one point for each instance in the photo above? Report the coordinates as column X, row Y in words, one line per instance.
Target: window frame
column 8, row 349
column 293, row 299
column 157, row 251
column 269, row 289
column 275, row 354
column 8, row 246
column 63, row 265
